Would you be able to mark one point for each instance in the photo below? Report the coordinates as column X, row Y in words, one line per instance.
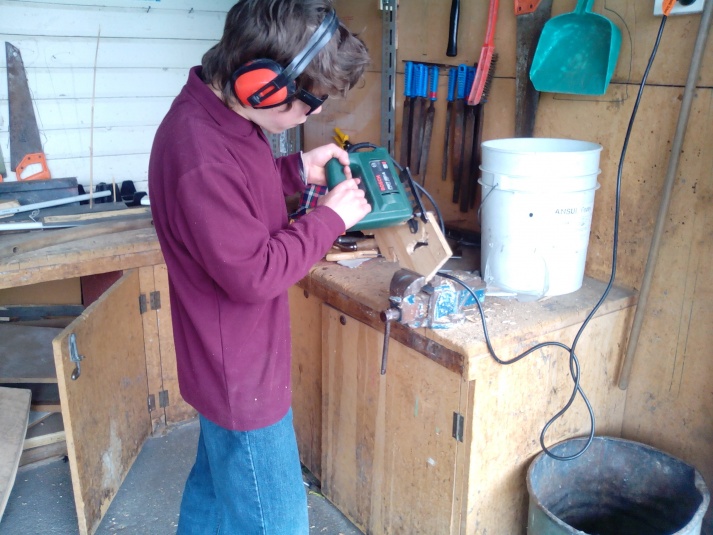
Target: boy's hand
column 348, row 201
column 314, row 161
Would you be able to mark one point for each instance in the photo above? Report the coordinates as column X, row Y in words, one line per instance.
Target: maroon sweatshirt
column 218, row 203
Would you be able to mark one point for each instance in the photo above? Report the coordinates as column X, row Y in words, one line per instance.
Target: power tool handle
column 335, row 173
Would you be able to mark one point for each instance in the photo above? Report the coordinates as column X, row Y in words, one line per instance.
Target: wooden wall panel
column 142, row 59
column 669, row 397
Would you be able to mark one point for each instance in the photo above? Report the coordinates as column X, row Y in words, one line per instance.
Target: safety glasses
column 311, row 100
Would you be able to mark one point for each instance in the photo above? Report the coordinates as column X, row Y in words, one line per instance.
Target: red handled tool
column 487, row 61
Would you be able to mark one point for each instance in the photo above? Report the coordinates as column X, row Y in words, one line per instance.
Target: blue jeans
column 245, row 482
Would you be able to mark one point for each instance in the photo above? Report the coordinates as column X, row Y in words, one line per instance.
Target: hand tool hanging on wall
column 428, row 124
column 469, row 140
column 25, row 144
column 472, row 197
column 452, row 48
column 488, row 59
column 407, row 118
column 531, row 17
column 459, row 130
column 452, row 73
column 577, row 53
column 420, row 92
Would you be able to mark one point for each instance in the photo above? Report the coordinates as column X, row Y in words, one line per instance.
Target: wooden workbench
column 127, row 387
column 441, row 443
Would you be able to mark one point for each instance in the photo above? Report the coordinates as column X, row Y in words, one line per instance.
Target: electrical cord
column 574, row 366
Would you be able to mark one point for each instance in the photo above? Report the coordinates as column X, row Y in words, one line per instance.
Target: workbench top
column 363, row 292
column 99, row 254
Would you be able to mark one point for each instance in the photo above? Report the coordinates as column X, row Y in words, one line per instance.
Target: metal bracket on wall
column 388, row 73
column 287, row 142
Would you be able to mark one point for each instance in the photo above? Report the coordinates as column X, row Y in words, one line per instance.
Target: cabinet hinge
column 163, row 400
column 155, row 299
column 458, row 425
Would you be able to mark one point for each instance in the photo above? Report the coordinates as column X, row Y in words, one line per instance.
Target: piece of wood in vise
column 424, row 252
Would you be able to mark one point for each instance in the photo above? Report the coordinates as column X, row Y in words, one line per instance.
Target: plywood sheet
column 14, row 411
column 104, row 410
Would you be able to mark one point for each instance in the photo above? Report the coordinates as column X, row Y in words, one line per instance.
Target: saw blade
column 24, row 135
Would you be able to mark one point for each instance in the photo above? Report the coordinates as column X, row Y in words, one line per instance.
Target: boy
column 217, row 197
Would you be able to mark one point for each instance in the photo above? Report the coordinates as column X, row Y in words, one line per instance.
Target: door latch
column 75, row 357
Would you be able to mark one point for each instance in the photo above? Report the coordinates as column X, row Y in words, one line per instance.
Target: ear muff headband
column 263, row 83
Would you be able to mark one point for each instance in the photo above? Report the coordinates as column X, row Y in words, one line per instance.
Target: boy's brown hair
column 278, row 30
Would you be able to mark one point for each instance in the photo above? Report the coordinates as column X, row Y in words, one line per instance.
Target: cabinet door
column 306, row 324
column 389, row 458
column 104, row 409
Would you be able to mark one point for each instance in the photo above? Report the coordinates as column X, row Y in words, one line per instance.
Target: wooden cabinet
column 390, row 461
column 441, row 443
column 306, row 325
column 122, row 386
column 103, row 397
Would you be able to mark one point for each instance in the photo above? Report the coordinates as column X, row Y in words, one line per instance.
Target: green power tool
column 380, row 181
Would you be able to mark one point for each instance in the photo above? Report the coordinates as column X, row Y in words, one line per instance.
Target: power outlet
column 681, row 8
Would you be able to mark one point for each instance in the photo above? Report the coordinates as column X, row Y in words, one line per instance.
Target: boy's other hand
column 348, row 201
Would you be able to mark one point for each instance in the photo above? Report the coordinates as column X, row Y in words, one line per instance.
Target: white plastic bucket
column 536, row 213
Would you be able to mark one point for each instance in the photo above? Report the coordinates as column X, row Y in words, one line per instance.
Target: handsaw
column 25, row 144
column 428, row 123
column 531, row 17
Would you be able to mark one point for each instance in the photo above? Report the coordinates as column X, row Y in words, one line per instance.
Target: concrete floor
column 42, row 502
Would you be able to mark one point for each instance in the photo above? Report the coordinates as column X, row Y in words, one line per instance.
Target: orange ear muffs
column 259, row 78
column 263, row 83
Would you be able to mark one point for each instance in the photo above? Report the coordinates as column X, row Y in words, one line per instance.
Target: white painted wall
column 145, row 48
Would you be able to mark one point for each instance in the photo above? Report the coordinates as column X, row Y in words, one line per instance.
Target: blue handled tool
column 428, row 124
column 452, row 72
column 407, row 117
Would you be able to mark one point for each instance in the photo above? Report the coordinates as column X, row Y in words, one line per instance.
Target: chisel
column 407, row 119
column 428, row 125
column 449, row 112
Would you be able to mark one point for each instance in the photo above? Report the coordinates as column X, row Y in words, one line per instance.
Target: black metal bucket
column 617, row 487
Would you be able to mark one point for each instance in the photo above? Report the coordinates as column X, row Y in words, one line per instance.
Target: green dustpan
column 577, row 53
